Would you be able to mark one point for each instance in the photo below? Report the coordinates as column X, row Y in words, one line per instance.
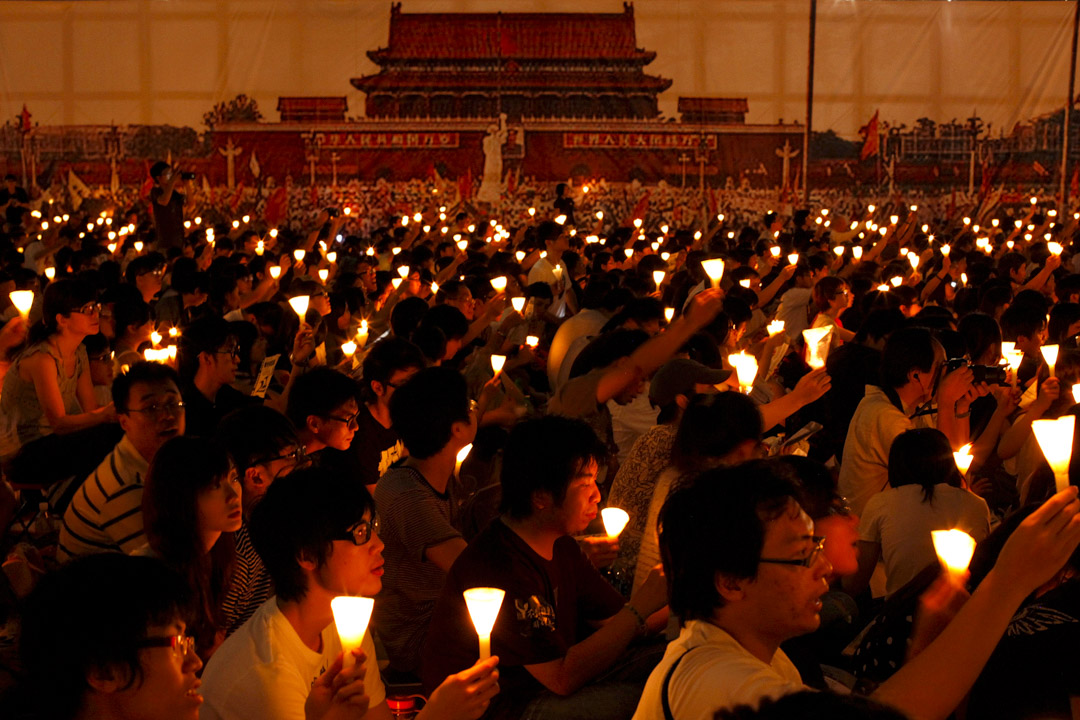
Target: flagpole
column 1068, row 111
column 810, row 105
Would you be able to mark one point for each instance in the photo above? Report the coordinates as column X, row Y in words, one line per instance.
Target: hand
column 108, row 412
column 938, row 605
column 601, row 550
column 704, row 307
column 812, row 385
column 652, row 595
column 1053, row 262
column 982, row 487
column 788, row 271
column 465, row 695
column 303, row 344
column 339, row 693
column 1049, row 391
column 1042, row 543
column 954, row 386
column 13, row 333
column 977, row 390
column 1007, row 397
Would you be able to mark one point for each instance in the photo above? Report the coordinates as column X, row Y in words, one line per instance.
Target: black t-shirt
column 565, row 206
column 1035, row 668
column 852, row 367
column 202, row 416
column 168, row 219
column 14, row 212
column 374, row 449
column 546, row 611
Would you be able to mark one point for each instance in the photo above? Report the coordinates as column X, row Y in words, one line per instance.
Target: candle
column 560, row 219
column 614, row 520
column 518, row 303
column 945, row 250
column 856, row 252
column 299, row 255
column 893, row 219
column 22, row 300
column 50, row 273
column 914, row 260
column 745, row 283
column 669, row 313
column 462, row 245
column 324, row 274
column 260, row 247
column 138, row 246
column 817, row 345
column 897, row 281
column 775, row 251
column 775, row 327
column 658, row 277
column 403, row 271
column 745, row 370
column 1054, row 248
column 484, row 604
column 362, row 333
column 275, row 271
column 870, row 208
column 155, row 338
column 460, row 459
column 520, row 255
column 963, row 458
column 1055, row 437
column 1076, row 393
column 300, row 305
column 331, row 257
column 599, row 214
column 714, row 269
column 1050, row 354
column 839, row 250
column 497, row 362
column 629, row 252
column 351, row 617
column 349, row 348
column 637, row 223
column 434, row 287
column 954, row 548
column 532, row 341
column 498, row 283
column 396, row 282
column 532, row 211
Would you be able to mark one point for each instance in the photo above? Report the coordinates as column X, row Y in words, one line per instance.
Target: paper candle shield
column 351, row 616
column 497, row 362
column 518, row 303
column 22, row 300
column 1055, row 438
column 484, row 604
column 963, row 459
column 300, row 304
column 954, row 548
column 714, row 269
column 817, row 345
column 614, row 520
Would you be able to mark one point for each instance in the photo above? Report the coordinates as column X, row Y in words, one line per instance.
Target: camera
column 187, row 176
column 332, row 212
column 989, row 374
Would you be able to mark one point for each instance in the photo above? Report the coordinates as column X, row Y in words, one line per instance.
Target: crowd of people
column 211, row 428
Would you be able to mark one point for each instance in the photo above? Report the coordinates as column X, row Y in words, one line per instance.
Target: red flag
column 872, row 140
column 237, row 195
column 277, row 207
column 24, row 119
column 511, row 182
column 148, row 183
column 1074, row 184
column 640, row 209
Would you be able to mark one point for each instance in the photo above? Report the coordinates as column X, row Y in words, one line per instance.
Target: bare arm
column 41, row 370
column 445, row 553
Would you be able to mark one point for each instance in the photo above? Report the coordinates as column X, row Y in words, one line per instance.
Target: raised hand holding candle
column 775, row 327
column 1050, row 354
column 614, row 520
column 954, row 549
column 300, row 305
column 714, row 269
column 299, row 255
column 1055, row 438
column 658, row 277
column 484, row 604
column 22, row 300
column 963, row 459
column 351, row 616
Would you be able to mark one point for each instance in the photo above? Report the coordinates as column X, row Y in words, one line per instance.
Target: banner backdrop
column 484, row 98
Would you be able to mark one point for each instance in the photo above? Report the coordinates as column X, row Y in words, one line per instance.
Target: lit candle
column 614, row 520
column 856, row 252
column 300, row 305
column 714, row 269
column 403, row 271
column 518, row 303
column 954, row 548
column 658, row 277
column 275, row 271
column 637, row 223
column 324, row 274
column 1050, row 354
column 138, row 246
column 628, row 252
column 362, row 333
column 532, row 341
column 396, row 282
column 484, row 604
column 669, row 313
column 745, row 370
column 50, row 273
column 560, row 219
column 914, row 260
column 897, row 281
column 349, row 348
column 775, row 251
column 893, row 219
column 532, row 212
column 945, row 250
column 745, row 283
column 498, row 283
column 599, row 214
column 839, row 250
column 963, row 458
column 434, row 288
column 351, row 617
column 1055, row 437
column 22, row 300
column 817, row 345
column 1076, row 393
column 519, row 255
column 775, row 327
column 174, row 332
column 331, row 257
column 155, row 338
column 460, row 459
column 497, row 362
column 299, row 255
column 1054, row 248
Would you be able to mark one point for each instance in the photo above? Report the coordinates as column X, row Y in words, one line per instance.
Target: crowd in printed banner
column 600, row 450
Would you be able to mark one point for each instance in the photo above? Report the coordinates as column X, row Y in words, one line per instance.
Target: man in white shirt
column 911, row 365
column 318, row 536
column 547, row 269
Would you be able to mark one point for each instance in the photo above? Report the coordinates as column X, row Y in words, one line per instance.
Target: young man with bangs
column 551, row 666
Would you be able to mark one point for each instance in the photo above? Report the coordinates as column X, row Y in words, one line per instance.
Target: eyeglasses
column 839, row 506
column 233, row 350
column 353, row 421
column 90, row 308
column 806, row 562
column 182, row 645
column 157, row 410
column 361, row 532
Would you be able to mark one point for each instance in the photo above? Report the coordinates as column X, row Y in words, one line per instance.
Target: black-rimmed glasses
column 181, row 645
column 361, row 532
column 90, row 308
column 353, row 421
column 806, row 562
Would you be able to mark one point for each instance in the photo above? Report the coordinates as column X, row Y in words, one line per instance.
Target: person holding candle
column 794, row 307
column 127, row 652
column 191, row 512
column 435, row 419
column 549, row 667
column 926, row 492
column 105, row 512
column 556, row 240
column 1025, row 325
column 133, row 327
column 318, row 535
column 208, row 356
column 832, row 296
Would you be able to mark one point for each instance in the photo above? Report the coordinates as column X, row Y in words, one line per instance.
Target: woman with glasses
column 48, row 406
column 105, row 637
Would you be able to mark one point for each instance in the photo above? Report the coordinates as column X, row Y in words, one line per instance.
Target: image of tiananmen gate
column 554, row 95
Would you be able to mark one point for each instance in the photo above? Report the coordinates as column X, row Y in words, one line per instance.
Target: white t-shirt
column 719, row 676
column 793, row 311
column 264, row 671
column 900, row 521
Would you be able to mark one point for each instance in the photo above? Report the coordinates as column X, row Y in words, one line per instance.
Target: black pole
column 1068, row 112
column 810, row 104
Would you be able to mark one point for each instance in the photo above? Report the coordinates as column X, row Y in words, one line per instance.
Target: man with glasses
column 263, row 446
column 913, row 373
column 322, row 406
column 105, row 515
column 208, row 356
column 318, row 535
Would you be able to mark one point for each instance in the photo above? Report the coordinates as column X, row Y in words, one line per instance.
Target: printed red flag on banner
column 872, row 138
column 277, row 206
column 1074, row 184
column 640, row 209
column 24, row 119
column 237, row 195
column 148, row 183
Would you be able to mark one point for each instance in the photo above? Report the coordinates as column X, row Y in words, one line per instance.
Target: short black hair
column 157, row 168
column 713, row 426
column 207, row 334
column 255, row 433
column 716, row 525
column 319, row 392
column 424, row 409
column 299, row 516
column 543, row 454
column 1021, row 320
column 388, row 356
column 906, row 350
column 97, row 608
column 140, row 372
column 924, row 457
column 813, row 705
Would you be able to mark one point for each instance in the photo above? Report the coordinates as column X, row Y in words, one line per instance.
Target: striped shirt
column 250, row 586
column 106, row 513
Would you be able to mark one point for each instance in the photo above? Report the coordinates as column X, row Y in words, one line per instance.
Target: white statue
column 491, row 183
